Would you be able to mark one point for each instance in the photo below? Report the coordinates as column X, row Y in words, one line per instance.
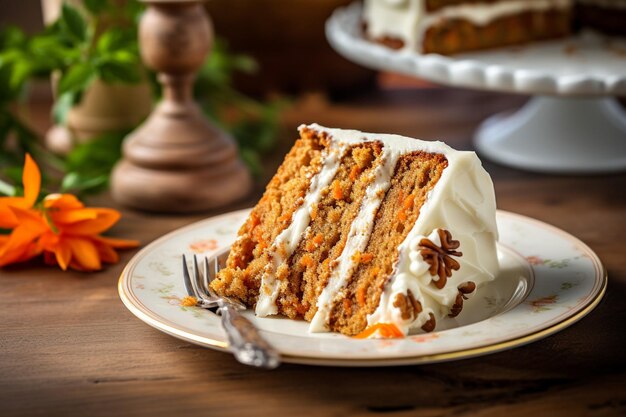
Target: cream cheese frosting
column 462, row 202
column 408, row 20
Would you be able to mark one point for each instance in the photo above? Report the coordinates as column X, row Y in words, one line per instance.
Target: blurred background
column 270, row 69
column 258, row 83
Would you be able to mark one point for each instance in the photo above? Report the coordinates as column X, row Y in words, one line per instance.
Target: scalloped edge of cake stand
column 533, row 71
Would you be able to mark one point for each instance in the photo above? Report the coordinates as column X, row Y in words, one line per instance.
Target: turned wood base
column 178, row 162
column 177, row 191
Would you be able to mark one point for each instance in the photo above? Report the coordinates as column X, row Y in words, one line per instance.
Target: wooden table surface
column 69, row 347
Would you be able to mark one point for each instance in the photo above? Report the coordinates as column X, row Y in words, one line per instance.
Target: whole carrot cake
column 366, row 234
column 451, row 26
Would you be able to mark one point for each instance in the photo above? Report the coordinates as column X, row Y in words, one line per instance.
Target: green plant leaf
column 73, row 23
column 77, row 78
column 73, row 181
column 245, row 63
column 89, row 164
column 62, row 106
column 51, row 54
column 11, row 36
column 19, row 74
column 95, row 6
column 14, row 174
column 112, row 40
column 119, row 71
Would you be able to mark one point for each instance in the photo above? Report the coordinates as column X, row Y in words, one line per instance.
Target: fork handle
column 245, row 341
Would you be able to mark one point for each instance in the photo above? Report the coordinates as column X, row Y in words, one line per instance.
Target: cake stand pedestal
column 572, row 125
column 558, row 135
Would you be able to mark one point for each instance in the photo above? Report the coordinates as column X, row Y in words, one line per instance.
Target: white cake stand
column 571, row 125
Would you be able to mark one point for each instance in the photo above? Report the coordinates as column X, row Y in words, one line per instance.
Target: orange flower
column 31, row 180
column 60, row 227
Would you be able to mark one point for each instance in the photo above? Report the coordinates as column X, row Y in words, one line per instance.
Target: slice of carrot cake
column 368, row 234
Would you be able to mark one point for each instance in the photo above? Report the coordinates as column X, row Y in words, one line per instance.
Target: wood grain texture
column 69, row 347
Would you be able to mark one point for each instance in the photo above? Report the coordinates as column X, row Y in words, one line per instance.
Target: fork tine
column 211, row 269
column 187, row 280
column 197, row 281
column 208, row 277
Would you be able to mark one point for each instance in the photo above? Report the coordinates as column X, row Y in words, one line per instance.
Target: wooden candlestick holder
column 177, row 161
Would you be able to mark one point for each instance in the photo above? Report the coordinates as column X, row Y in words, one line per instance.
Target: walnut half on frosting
column 409, row 307
column 440, row 257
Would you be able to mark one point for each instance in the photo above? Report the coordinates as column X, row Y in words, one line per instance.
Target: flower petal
column 49, row 241
column 73, row 215
column 84, row 253
column 107, row 253
column 20, row 254
column 62, row 202
column 31, row 226
column 7, row 218
column 63, row 254
column 105, row 219
column 31, row 179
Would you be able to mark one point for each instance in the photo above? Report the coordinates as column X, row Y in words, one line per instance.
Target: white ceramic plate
column 549, row 280
column 588, row 64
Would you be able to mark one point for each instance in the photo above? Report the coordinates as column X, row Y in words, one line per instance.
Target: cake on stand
column 572, row 125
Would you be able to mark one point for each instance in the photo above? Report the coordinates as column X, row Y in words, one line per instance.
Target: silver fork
column 244, row 339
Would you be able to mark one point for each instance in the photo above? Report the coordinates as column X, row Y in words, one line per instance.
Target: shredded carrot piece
column 402, row 215
column 254, row 220
column 366, row 258
column 285, row 217
column 386, row 330
column 307, row 261
column 314, row 213
column 400, row 196
column 326, row 263
column 314, row 243
column 408, row 202
column 257, row 234
column 347, row 305
column 360, row 296
column 337, row 191
column 354, row 173
column 302, row 308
